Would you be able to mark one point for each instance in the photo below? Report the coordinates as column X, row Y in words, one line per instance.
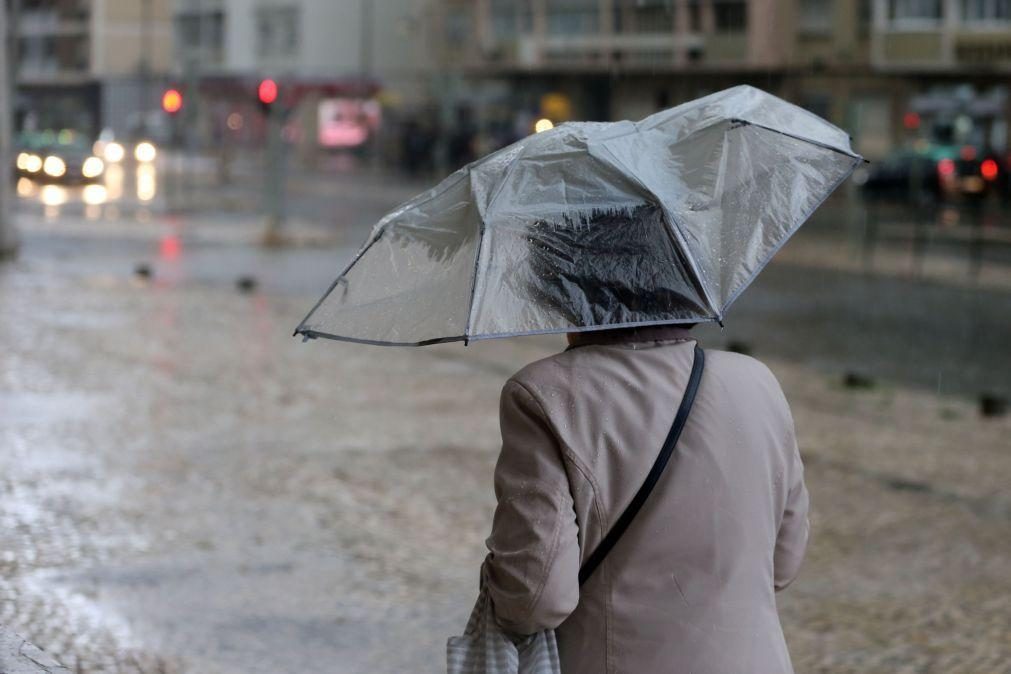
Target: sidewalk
column 17, row 656
column 186, row 488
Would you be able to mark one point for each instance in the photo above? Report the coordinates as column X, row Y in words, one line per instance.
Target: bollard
column 992, row 405
column 743, row 348
column 246, row 284
column 856, row 380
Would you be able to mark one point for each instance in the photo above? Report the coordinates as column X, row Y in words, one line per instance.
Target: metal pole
column 273, row 175
column 145, row 64
column 8, row 237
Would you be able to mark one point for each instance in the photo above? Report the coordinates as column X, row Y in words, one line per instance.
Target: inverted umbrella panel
column 735, row 193
column 412, row 283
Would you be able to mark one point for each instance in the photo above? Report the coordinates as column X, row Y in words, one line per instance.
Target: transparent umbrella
column 593, row 225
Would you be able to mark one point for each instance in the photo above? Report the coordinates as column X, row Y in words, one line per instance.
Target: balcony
column 46, row 23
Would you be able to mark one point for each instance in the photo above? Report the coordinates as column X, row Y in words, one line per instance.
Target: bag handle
column 612, row 537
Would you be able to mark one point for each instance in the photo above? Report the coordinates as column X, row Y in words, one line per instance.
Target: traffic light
column 172, row 101
column 266, row 94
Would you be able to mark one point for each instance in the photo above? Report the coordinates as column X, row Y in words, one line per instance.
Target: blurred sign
column 347, row 122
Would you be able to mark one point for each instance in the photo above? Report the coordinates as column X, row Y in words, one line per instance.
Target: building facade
column 86, row 64
column 859, row 63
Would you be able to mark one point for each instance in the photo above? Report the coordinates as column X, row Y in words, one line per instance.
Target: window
column 194, row 30
column 644, row 16
column 864, row 18
column 277, row 31
column 816, row 16
column 573, row 17
column 730, row 16
column 694, row 16
column 982, row 11
column 915, row 11
column 505, row 15
column 459, row 28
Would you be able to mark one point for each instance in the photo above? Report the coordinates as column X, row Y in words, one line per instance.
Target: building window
column 983, row 11
column 730, row 16
column 915, row 11
column 573, row 17
column 505, row 16
column 644, row 16
column 459, row 26
column 816, row 16
column 200, row 31
column 694, row 16
column 277, row 31
column 864, row 18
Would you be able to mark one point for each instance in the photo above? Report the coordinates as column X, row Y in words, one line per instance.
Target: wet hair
column 610, row 266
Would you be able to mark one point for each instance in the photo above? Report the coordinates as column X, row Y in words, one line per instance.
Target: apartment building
column 857, row 62
column 86, row 64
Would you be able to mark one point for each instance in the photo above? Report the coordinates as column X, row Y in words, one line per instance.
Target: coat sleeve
column 791, row 541
column 532, row 568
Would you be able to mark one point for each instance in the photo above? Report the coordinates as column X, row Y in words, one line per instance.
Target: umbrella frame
column 672, row 226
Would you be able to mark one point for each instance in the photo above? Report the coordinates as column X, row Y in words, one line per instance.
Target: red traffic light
column 988, row 169
column 172, row 101
column 267, row 91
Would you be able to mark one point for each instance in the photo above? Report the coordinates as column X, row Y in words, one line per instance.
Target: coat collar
column 640, row 335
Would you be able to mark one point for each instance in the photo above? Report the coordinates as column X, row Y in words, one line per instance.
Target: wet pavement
column 186, row 488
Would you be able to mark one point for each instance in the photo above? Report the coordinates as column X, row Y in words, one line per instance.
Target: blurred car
column 29, row 157
column 941, row 172
column 59, row 158
column 114, row 149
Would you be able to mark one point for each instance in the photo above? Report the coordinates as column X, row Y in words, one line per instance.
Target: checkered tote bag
column 485, row 649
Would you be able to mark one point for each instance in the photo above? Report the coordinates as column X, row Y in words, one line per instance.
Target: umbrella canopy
column 593, row 225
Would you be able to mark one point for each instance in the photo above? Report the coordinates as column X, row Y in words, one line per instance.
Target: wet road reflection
column 123, row 188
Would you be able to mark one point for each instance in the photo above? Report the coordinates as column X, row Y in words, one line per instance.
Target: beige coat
column 689, row 589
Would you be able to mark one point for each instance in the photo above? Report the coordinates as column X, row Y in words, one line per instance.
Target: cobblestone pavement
column 185, row 488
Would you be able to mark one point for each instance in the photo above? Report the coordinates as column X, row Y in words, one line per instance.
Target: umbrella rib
column 682, row 247
column 313, row 334
column 833, row 148
column 473, row 285
column 481, row 234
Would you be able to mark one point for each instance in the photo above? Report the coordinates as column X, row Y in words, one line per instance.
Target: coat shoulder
column 545, row 372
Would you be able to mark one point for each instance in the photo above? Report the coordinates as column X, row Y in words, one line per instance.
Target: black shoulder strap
column 612, row 537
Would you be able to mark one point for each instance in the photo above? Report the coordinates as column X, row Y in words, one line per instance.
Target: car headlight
column 92, row 167
column 33, row 163
column 144, row 151
column 54, row 166
column 22, row 161
column 113, row 152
